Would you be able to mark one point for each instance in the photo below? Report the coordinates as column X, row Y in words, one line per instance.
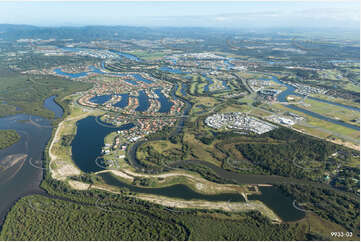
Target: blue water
column 88, row 142
column 72, row 75
column 278, row 202
column 224, row 83
column 290, row 91
column 121, row 54
column 96, row 70
column 131, row 82
column 93, row 69
column 50, row 104
column 143, row 102
column 124, row 102
column 171, row 70
column 71, row 49
column 344, row 61
column 128, row 56
column 165, row 103
column 100, row 99
column 140, row 78
column 183, row 89
column 229, row 65
column 210, row 82
column 282, row 97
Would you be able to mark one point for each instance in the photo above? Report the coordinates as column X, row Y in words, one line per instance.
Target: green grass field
column 331, row 111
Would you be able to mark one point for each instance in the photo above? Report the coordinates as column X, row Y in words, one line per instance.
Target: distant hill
column 13, row 32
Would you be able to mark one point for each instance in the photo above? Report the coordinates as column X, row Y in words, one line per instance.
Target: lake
column 88, row 142
column 281, row 204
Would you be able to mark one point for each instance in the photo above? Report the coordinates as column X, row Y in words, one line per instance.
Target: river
column 24, row 177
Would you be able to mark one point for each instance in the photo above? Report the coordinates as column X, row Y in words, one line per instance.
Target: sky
column 235, row 14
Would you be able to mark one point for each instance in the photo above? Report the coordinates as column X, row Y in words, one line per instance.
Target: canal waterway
column 120, row 54
column 143, row 101
column 166, row 105
column 172, row 70
column 210, row 82
column 124, row 101
column 183, row 89
column 59, row 71
column 126, row 55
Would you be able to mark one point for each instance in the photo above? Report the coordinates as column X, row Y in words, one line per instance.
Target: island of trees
column 8, row 138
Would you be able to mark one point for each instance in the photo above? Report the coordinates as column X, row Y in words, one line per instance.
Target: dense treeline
column 348, row 178
column 96, row 215
column 292, row 155
column 40, row 218
column 38, row 61
column 29, row 92
column 8, row 138
column 157, row 158
column 329, row 204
